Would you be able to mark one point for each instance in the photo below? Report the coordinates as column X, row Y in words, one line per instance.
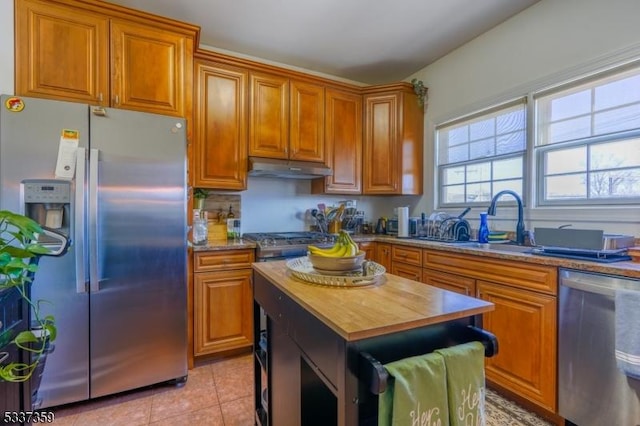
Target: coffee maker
column 48, row 202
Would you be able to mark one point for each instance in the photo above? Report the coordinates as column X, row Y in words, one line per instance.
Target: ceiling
column 366, row 41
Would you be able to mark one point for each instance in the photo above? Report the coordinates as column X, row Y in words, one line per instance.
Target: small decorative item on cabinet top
column 421, row 91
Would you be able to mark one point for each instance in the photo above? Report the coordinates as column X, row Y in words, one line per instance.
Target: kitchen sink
column 510, row 247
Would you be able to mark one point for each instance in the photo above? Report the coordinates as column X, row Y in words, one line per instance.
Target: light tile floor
column 218, row 393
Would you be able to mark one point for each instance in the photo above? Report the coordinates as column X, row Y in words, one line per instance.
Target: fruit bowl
column 337, row 264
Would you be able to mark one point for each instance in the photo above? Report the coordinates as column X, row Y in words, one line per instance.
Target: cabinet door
column 343, row 137
column 61, row 53
column 381, row 144
column 306, row 129
column 220, row 148
column 151, row 69
column 268, row 116
column 369, row 247
column 223, row 305
column 383, row 255
column 525, row 324
column 451, row 282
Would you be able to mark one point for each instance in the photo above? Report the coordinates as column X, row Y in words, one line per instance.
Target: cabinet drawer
column 406, row 271
column 451, row 282
column 404, row 254
column 529, row 276
column 223, row 260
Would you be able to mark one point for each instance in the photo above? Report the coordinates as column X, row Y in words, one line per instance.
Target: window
column 481, row 155
column 588, row 140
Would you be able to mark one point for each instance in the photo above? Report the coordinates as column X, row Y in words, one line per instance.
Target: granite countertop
column 393, row 304
column 215, row 245
column 626, row 269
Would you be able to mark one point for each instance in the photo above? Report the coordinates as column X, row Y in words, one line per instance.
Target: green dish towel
column 416, row 392
column 465, row 383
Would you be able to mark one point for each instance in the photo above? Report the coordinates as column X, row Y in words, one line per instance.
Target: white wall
column 6, row 47
column 549, row 42
column 271, row 204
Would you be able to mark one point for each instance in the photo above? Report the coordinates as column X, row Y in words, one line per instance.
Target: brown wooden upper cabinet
column 286, row 118
column 103, row 55
column 343, row 139
column 220, row 131
column 393, row 162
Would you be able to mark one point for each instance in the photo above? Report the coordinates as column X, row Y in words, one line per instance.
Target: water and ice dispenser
column 48, row 202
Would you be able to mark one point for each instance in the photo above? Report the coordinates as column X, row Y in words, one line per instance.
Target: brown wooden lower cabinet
column 524, row 319
column 525, row 324
column 223, row 301
column 383, row 255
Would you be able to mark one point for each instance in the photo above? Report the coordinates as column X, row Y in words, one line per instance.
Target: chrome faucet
column 520, row 226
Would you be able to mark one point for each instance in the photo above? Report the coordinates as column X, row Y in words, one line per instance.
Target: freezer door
column 29, row 142
column 137, row 228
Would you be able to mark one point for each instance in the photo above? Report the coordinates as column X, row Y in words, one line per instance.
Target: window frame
column 533, row 188
column 539, row 151
column 440, row 168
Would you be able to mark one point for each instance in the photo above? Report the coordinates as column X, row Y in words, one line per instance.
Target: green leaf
column 51, row 330
column 25, row 337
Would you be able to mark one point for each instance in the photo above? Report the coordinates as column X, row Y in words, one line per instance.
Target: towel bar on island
column 373, row 373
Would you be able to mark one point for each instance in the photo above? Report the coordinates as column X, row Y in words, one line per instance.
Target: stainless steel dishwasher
column 591, row 389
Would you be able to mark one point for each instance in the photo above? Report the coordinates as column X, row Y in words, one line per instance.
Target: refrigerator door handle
column 94, row 276
column 79, row 237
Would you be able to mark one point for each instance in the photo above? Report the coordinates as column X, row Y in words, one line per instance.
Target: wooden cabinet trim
column 123, row 12
column 223, row 260
column 519, row 274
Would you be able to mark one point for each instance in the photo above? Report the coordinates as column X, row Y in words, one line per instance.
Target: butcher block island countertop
column 394, row 304
column 320, row 349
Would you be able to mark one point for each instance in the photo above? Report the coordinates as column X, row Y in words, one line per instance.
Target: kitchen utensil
column 463, row 214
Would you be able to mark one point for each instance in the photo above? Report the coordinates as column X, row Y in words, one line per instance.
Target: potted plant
column 199, row 196
column 19, row 252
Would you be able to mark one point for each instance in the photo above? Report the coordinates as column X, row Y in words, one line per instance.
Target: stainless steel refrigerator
column 119, row 294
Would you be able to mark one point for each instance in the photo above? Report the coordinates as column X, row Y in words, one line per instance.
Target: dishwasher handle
column 589, row 287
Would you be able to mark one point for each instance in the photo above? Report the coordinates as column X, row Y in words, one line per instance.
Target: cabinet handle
column 100, row 97
column 117, row 99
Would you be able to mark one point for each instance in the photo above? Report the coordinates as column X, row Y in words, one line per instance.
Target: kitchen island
column 319, row 349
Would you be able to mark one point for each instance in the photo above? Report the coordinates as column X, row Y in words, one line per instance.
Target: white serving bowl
column 338, row 264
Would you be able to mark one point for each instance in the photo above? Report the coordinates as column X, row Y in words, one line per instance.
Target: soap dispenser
column 483, row 231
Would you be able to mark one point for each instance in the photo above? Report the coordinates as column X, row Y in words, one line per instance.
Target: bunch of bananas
column 343, row 247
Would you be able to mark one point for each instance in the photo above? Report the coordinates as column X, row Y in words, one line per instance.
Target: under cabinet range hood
column 269, row 167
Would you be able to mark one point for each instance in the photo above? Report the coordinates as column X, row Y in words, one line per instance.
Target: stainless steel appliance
column 119, row 294
column 591, row 389
column 286, row 245
column 392, row 226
